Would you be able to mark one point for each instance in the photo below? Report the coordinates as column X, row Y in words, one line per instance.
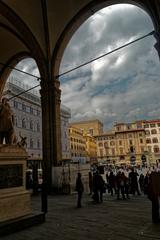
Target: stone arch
column 12, row 62
column 8, row 67
column 83, row 15
column 23, row 30
column 25, row 35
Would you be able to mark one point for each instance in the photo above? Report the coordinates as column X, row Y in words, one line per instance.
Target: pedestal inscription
column 11, row 175
column 14, row 199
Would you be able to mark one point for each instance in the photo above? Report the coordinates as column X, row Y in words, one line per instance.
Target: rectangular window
column 118, row 128
column 141, row 140
column 31, row 110
column 23, row 107
column 147, row 132
column 121, row 150
column 107, row 152
column 101, row 152
column 148, row 140
column 113, row 151
column 15, row 104
column 91, row 131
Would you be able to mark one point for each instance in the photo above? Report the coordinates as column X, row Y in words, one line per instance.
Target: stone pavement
column 111, row 220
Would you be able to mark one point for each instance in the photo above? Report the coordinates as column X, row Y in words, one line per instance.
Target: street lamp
column 144, row 160
column 132, row 156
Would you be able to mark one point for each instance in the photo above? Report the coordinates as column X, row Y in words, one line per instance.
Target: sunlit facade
column 91, row 127
column 152, row 130
column 124, row 143
column 77, row 145
column 91, row 148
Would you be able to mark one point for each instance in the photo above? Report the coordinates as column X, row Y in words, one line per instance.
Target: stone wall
column 64, row 177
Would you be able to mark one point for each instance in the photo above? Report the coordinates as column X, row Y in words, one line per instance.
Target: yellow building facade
column 77, row 145
column 92, row 127
column 124, row 145
column 152, row 130
column 91, row 148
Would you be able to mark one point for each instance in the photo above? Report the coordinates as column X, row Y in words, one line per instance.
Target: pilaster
column 51, row 127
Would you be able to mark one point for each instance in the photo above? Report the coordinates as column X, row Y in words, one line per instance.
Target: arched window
column 106, row 144
column 100, row 144
column 23, row 123
column 153, row 131
column 155, row 140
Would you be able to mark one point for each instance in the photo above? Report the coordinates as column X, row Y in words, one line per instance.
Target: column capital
column 51, row 88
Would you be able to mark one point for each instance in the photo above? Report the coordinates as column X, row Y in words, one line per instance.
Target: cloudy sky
column 121, row 87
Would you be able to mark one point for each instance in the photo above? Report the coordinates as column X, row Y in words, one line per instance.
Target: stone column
column 51, row 127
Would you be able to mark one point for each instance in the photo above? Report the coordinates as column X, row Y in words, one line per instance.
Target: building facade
column 152, row 130
column 77, row 145
column 91, row 148
column 92, row 127
column 28, row 118
column 124, row 145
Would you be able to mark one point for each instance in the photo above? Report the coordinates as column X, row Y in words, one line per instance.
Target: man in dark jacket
column 154, row 194
column 98, row 187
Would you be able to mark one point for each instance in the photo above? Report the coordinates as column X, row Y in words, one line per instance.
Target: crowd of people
column 124, row 183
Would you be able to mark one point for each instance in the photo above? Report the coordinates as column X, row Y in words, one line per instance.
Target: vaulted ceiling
column 42, row 28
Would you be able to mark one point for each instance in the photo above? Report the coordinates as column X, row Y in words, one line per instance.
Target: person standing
column 111, row 183
column 98, row 187
column 134, row 182
column 154, row 194
column 79, row 189
column 141, row 182
column 90, row 183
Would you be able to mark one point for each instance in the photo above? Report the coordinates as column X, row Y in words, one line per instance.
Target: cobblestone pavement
column 111, row 220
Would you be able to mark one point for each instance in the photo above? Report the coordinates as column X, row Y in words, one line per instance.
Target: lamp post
column 132, row 156
column 144, row 160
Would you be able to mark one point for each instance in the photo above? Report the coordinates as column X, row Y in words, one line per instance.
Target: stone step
column 18, row 224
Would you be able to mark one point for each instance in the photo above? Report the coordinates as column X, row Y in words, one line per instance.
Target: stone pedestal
column 14, row 199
